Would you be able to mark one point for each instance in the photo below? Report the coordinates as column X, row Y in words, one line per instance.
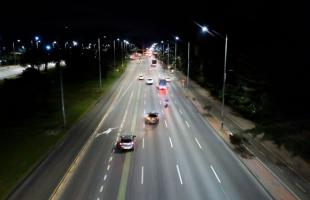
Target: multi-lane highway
column 180, row 158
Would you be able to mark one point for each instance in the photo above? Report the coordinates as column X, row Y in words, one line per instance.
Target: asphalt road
column 180, row 158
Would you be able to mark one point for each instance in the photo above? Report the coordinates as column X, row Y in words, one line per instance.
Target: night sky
column 255, row 22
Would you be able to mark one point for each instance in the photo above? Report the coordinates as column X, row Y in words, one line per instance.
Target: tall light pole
column 61, row 94
column 122, row 53
column 99, row 62
column 205, row 29
column 37, row 39
column 114, row 54
column 188, row 54
column 168, row 55
column 162, row 47
column 175, row 51
column 224, row 82
column 14, row 53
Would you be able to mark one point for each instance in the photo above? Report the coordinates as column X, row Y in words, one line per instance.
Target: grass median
column 26, row 141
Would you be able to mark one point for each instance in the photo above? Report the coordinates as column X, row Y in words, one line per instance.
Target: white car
column 140, row 77
column 149, row 81
column 168, row 79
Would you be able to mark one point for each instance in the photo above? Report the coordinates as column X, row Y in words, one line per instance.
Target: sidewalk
column 279, row 179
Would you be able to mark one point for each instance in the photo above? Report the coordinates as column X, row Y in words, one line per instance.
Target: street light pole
column 188, row 53
column 62, row 95
column 114, row 54
column 224, row 82
column 99, row 62
column 168, row 56
column 14, row 53
column 175, row 51
column 122, row 53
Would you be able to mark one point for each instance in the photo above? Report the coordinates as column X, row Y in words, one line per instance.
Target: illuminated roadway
column 180, row 158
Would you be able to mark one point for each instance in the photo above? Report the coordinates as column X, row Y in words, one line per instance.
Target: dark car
column 126, row 142
column 152, row 118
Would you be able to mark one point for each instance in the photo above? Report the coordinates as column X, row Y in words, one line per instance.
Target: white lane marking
column 143, row 125
column 105, row 177
column 144, row 111
column 166, row 124
column 162, row 111
column 108, row 167
column 301, row 188
column 215, row 174
column 180, row 177
column 187, row 124
column 160, row 102
column 142, row 171
column 101, row 188
column 142, row 143
column 98, row 198
column 198, row 143
column 181, row 112
column 171, row 142
column 110, row 159
column 158, row 94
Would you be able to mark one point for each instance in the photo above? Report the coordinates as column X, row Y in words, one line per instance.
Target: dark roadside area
column 284, row 176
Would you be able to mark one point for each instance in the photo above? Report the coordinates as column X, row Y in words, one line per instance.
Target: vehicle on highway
column 152, row 118
column 149, row 81
column 126, row 142
column 140, row 77
column 162, row 84
column 154, row 62
column 168, row 79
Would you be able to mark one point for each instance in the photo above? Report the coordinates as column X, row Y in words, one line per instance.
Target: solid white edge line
column 187, row 124
column 101, row 188
column 198, row 143
column 142, row 171
column 171, row 142
column 180, row 177
column 166, row 124
column 215, row 174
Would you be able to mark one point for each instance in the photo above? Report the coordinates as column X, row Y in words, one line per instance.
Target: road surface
column 180, row 158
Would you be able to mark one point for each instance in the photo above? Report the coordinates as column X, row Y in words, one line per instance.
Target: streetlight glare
column 36, row 38
column 204, row 29
column 48, row 47
column 177, row 38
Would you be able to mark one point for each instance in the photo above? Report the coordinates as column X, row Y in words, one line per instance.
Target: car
column 152, row 118
column 149, row 81
column 168, row 79
column 126, row 142
column 140, row 77
column 154, row 62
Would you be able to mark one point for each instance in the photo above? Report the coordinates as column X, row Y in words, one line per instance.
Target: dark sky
column 157, row 19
